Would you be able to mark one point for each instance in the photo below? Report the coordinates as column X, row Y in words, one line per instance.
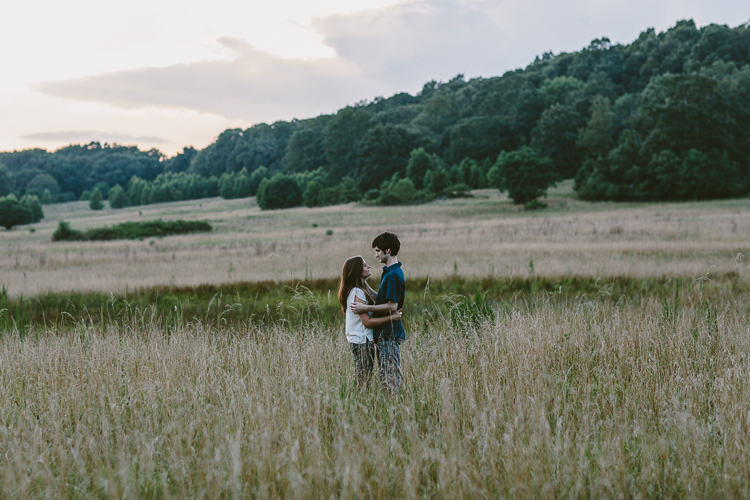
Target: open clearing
column 552, row 355
column 481, row 236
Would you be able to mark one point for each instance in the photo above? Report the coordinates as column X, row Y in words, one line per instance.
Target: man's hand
column 359, row 308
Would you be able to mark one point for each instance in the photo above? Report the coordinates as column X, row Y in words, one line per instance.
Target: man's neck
column 391, row 260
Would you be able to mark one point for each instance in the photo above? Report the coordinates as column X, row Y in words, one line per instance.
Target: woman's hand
column 395, row 316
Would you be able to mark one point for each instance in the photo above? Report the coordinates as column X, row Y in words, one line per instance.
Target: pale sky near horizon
column 169, row 73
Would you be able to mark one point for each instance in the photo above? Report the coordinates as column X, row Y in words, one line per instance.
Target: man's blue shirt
column 392, row 288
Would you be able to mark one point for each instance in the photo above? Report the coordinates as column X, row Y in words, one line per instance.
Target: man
column 390, row 297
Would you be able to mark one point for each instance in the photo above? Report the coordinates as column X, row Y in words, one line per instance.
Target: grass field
column 476, row 237
column 592, row 401
column 585, row 351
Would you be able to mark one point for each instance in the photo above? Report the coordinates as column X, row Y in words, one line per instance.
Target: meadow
column 473, row 237
column 584, row 351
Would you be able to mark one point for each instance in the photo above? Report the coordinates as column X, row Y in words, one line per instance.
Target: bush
column 13, row 213
column 95, row 202
column 372, row 195
column 318, row 196
column 311, row 194
column 47, row 198
column 535, row 205
column 65, row 233
column 281, row 191
column 437, row 180
column 404, row 190
column 256, row 178
column 117, row 197
column 470, row 173
column 33, row 204
column 523, row 174
column 131, row 230
column 420, row 162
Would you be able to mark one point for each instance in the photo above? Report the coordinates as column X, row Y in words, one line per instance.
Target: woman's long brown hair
column 351, row 277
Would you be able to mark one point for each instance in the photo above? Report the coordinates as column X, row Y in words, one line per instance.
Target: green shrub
column 535, row 205
column 372, row 195
column 95, row 202
column 131, row 230
column 437, row 180
column 65, row 233
column 33, row 204
column 47, row 198
column 312, row 193
column 523, row 174
column 281, row 191
column 117, row 197
column 13, row 213
column 420, row 162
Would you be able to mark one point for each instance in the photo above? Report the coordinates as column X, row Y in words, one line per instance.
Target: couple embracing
column 373, row 319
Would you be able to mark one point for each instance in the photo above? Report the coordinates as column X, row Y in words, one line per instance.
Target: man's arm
column 373, row 322
column 369, row 322
column 359, row 307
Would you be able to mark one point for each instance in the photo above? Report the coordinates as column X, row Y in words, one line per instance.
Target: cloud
column 383, row 51
column 409, row 44
column 254, row 85
column 85, row 136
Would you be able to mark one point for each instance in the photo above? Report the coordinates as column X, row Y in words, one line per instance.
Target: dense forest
column 666, row 117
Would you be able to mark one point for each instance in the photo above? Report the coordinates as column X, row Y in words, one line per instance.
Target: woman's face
column 365, row 269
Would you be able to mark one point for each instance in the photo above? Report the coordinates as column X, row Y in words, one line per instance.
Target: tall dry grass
column 595, row 400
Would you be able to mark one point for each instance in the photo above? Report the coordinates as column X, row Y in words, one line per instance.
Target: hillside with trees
column 666, row 117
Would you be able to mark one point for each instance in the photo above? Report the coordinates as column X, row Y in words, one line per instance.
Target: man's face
column 381, row 255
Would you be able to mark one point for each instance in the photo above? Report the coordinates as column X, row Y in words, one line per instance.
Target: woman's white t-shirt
column 356, row 333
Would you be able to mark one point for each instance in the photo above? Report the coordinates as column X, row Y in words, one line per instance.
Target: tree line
column 665, row 117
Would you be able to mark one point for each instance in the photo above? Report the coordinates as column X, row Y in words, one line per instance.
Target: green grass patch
column 455, row 299
column 131, row 230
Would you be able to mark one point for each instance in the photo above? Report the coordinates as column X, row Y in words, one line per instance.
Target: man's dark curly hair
column 387, row 241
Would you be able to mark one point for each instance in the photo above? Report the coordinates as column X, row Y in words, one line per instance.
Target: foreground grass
column 597, row 399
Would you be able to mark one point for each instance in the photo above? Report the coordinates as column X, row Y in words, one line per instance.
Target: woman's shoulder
column 357, row 292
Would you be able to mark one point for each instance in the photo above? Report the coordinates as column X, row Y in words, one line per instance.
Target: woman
column 353, row 289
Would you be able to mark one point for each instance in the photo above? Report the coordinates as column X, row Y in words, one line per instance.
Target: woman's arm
column 361, row 307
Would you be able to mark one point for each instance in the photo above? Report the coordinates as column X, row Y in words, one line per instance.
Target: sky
column 173, row 73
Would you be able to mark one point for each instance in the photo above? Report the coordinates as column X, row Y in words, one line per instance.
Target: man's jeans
column 389, row 365
column 364, row 358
